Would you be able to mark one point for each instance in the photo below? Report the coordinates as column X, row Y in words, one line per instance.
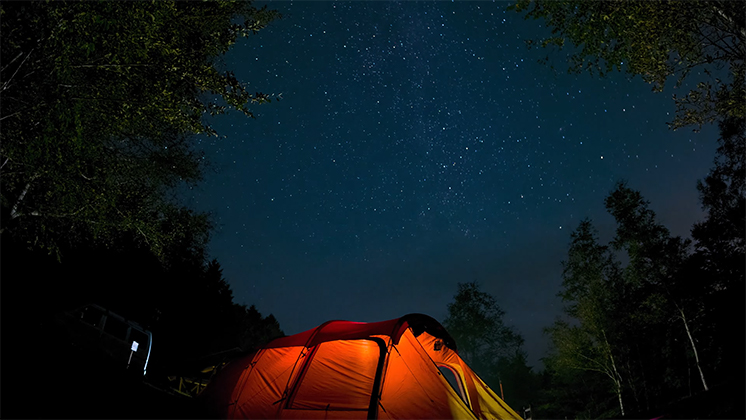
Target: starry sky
column 421, row 144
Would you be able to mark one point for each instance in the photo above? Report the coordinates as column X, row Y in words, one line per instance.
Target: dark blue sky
column 419, row 145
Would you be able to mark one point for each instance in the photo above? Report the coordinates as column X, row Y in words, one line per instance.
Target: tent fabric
column 346, row 330
column 396, row 369
column 353, row 364
column 414, row 388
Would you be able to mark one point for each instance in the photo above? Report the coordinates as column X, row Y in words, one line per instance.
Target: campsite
column 373, row 209
column 390, row 369
column 402, row 368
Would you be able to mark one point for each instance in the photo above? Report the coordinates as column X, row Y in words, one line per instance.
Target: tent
column 405, row 368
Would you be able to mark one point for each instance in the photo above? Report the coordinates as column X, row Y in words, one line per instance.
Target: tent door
column 343, row 375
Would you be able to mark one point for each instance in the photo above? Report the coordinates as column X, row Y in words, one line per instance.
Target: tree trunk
column 619, row 395
column 644, row 378
column 694, row 348
column 632, row 386
column 14, row 210
column 618, row 377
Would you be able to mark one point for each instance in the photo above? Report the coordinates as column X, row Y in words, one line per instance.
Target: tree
column 656, row 40
column 100, row 105
column 185, row 303
column 591, row 286
column 656, row 259
column 651, row 326
column 491, row 348
column 674, row 296
column 254, row 330
column 475, row 321
column 721, row 237
column 572, row 393
column 720, row 249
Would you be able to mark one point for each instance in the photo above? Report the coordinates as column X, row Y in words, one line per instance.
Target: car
column 98, row 332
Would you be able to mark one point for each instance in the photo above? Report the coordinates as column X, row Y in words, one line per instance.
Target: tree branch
column 5, row 85
column 8, row 116
column 108, row 65
column 12, row 61
column 733, row 25
column 14, row 211
column 36, row 213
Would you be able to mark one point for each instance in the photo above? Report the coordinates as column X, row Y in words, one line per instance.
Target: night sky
column 419, row 145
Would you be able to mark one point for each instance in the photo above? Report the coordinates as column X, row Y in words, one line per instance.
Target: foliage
column 253, row 329
column 475, row 321
column 720, row 255
column 491, row 348
column 641, row 325
column 197, row 317
column 657, row 40
column 721, row 237
column 188, row 306
column 571, row 393
column 669, row 314
column 592, row 288
column 663, row 289
column 100, row 105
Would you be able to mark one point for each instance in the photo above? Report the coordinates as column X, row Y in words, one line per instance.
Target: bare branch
column 8, row 116
column 14, row 211
column 7, row 82
column 732, row 26
column 37, row 213
column 12, row 61
column 108, row 65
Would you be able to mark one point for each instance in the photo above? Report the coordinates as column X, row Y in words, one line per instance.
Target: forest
column 102, row 102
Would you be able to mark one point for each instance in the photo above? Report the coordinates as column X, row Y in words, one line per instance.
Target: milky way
column 418, row 145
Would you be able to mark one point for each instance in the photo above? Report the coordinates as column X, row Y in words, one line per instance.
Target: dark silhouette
column 188, row 306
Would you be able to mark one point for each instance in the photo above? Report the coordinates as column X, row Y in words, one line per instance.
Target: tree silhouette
column 656, row 40
column 100, row 105
column 493, row 349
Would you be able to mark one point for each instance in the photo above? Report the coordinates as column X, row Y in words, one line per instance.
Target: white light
column 147, row 359
column 134, row 345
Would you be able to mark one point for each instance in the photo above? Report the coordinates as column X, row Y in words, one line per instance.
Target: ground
column 45, row 376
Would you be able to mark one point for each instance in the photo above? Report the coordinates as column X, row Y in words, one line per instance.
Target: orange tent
column 405, row 368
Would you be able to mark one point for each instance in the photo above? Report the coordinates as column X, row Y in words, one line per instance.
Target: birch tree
column 655, row 259
column 720, row 247
column 591, row 291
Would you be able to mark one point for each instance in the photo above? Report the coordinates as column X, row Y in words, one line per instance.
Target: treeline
column 101, row 104
column 184, row 301
column 653, row 324
column 493, row 349
column 651, row 318
column 666, row 325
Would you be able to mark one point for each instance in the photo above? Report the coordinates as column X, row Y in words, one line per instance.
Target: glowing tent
column 404, row 368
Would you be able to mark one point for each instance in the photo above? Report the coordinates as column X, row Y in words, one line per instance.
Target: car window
column 91, row 315
column 116, row 328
